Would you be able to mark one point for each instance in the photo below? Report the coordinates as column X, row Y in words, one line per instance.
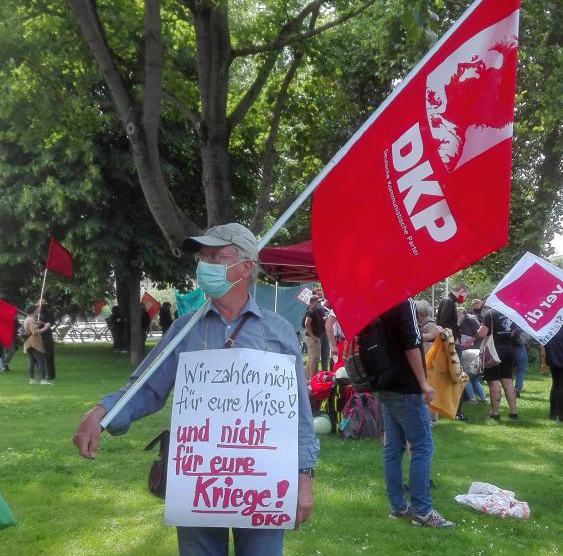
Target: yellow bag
column 445, row 375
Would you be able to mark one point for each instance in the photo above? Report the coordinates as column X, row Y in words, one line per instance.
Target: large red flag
column 422, row 189
column 7, row 314
column 151, row 304
column 59, row 259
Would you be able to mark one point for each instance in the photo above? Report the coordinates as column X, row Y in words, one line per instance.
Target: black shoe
column 553, row 417
column 513, row 416
column 517, row 393
column 461, row 417
column 494, row 417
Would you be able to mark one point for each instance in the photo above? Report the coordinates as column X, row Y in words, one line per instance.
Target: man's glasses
column 220, row 258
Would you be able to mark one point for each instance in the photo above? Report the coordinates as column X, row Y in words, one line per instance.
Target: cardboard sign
column 305, row 296
column 531, row 295
column 233, row 440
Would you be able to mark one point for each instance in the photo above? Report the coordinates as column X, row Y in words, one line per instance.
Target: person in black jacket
column 446, row 316
column 554, row 356
column 116, row 325
column 46, row 315
column 165, row 317
column 145, row 323
column 404, row 396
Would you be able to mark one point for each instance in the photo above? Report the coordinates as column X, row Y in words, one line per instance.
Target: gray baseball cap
column 227, row 234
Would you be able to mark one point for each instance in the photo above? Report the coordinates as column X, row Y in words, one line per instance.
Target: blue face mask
column 212, row 278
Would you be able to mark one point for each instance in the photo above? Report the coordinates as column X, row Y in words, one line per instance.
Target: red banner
column 151, row 304
column 59, row 259
column 422, row 190
column 7, row 314
column 531, row 295
column 98, row 306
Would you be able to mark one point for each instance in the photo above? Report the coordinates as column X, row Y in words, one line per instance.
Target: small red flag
column 422, row 190
column 59, row 259
column 151, row 304
column 7, row 314
column 98, row 306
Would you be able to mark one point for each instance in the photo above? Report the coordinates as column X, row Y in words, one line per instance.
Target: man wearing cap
column 477, row 309
column 227, row 265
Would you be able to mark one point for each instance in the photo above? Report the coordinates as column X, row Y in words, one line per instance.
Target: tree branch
column 86, row 14
column 264, row 203
column 252, row 94
column 192, row 116
column 153, row 73
column 279, row 43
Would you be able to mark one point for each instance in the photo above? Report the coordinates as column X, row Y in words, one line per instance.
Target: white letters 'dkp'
column 407, row 152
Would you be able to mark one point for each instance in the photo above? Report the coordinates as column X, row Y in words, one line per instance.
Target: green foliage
column 66, row 168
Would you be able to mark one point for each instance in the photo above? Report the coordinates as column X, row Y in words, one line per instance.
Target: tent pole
column 433, row 298
column 276, row 299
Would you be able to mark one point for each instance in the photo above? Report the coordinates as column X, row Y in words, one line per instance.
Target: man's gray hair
column 243, row 255
column 423, row 308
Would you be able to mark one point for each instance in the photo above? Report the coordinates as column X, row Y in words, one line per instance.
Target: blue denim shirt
column 263, row 330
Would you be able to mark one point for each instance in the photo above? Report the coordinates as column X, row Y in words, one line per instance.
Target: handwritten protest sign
column 233, row 440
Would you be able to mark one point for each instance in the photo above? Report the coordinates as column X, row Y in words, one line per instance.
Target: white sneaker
column 32, row 381
column 45, row 382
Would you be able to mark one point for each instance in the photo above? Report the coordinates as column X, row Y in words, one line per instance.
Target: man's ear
column 247, row 268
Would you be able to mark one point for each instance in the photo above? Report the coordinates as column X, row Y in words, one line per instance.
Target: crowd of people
column 404, row 396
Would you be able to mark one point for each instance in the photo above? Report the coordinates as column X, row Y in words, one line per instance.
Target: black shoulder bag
column 159, row 467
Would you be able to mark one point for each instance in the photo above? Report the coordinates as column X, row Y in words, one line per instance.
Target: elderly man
column 227, row 265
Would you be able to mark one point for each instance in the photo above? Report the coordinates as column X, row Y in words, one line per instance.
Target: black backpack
column 362, row 417
column 367, row 359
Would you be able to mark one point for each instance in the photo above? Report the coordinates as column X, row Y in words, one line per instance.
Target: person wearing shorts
column 501, row 328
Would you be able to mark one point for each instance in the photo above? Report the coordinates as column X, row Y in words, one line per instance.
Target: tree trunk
column 213, row 61
column 122, row 294
column 216, row 178
column 137, row 340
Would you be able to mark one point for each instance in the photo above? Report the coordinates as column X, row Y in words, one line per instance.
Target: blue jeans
column 214, row 541
column 475, row 388
column 521, row 361
column 406, row 420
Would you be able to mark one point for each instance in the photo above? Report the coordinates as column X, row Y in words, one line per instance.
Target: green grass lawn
column 66, row 505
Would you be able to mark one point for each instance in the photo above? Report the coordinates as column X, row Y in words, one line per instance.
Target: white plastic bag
column 490, row 499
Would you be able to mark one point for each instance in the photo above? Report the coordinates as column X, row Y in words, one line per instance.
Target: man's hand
column 87, row 436
column 428, row 392
column 304, row 499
